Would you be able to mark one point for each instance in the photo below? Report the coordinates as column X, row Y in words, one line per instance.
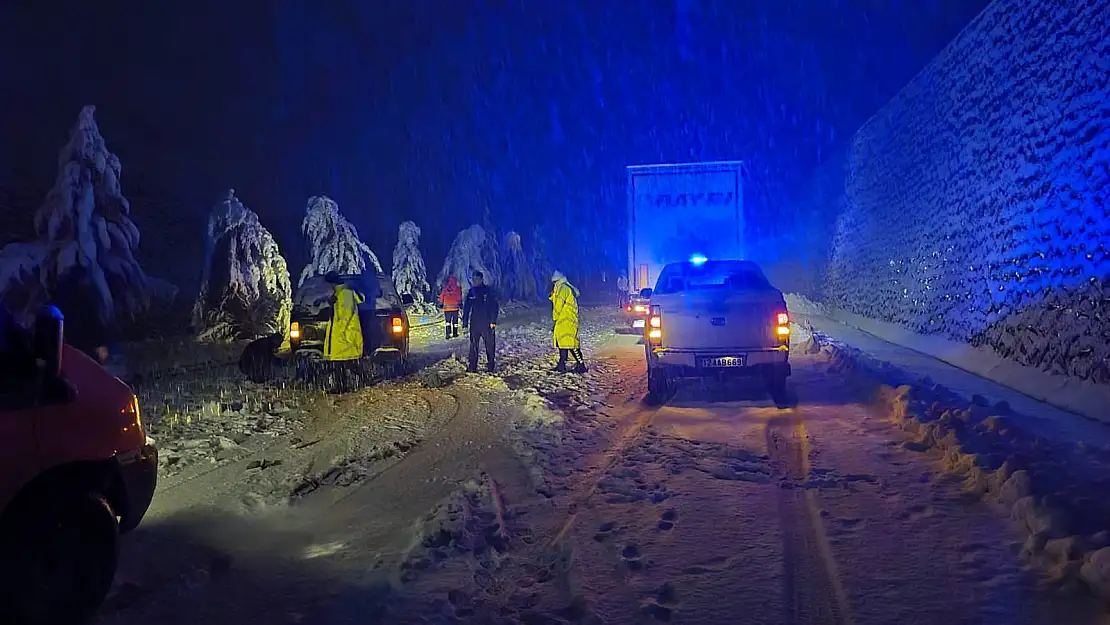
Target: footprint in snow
column 667, row 520
column 918, row 512
column 662, row 605
column 632, row 557
column 605, row 531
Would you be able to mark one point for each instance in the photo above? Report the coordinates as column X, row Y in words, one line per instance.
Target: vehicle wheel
column 658, row 382
column 257, row 360
column 776, row 385
column 60, row 560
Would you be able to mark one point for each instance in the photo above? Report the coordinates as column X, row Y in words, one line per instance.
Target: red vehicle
column 76, row 471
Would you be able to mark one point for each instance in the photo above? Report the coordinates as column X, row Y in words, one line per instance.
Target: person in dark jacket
column 480, row 310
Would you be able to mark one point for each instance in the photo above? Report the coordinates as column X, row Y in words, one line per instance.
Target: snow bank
column 1054, row 490
column 245, row 290
column 333, row 242
column 1072, row 394
column 972, row 204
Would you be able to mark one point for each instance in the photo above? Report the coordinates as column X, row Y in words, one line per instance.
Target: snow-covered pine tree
column 492, row 251
column 516, row 271
column 469, row 252
column 542, row 267
column 333, row 242
column 85, row 224
column 409, row 274
column 245, row 290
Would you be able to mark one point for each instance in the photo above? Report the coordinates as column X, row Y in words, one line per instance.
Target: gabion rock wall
column 977, row 202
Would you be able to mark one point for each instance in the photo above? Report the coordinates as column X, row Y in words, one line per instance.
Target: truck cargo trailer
column 682, row 211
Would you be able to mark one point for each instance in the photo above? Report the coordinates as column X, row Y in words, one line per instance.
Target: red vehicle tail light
column 398, row 325
column 783, row 319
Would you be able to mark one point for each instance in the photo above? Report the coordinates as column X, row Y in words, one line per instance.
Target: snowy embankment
column 1055, row 490
column 1072, row 394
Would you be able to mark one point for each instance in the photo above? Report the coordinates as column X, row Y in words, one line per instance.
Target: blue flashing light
column 698, row 259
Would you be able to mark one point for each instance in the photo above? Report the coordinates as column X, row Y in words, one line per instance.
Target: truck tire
column 775, row 380
column 60, row 559
column 659, row 381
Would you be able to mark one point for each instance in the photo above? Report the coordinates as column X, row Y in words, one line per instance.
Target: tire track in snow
column 812, row 589
column 640, row 417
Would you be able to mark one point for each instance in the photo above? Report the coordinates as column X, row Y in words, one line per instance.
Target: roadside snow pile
column 245, row 290
column 1056, row 492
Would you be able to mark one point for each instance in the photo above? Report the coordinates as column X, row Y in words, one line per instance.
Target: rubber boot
column 580, row 368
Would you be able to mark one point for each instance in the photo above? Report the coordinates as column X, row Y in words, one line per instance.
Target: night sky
column 434, row 111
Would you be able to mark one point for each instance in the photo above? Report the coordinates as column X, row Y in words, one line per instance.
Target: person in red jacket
column 451, row 298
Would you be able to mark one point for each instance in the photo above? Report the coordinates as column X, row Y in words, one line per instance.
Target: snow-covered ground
column 536, row 497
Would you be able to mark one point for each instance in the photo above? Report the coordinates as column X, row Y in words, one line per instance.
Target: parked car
column 76, row 470
column 716, row 318
column 637, row 309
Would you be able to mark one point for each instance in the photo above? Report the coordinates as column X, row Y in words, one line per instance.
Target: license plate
column 724, row 361
column 637, row 323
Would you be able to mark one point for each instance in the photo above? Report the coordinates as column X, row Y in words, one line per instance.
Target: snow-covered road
column 533, row 497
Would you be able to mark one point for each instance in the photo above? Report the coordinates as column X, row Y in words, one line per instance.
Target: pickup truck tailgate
column 720, row 319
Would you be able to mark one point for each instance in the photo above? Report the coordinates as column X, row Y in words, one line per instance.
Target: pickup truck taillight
column 398, row 325
column 782, row 326
column 655, row 326
column 294, row 330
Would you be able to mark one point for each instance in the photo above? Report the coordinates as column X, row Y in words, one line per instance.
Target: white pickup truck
column 716, row 318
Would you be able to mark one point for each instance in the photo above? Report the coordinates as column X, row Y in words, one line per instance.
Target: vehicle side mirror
column 48, row 339
column 407, row 299
column 646, row 293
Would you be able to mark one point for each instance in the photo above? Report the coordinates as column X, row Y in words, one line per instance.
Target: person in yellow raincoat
column 343, row 341
column 564, row 312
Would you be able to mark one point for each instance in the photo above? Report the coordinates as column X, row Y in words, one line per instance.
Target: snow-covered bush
column 410, row 277
column 245, row 290
column 516, row 271
column 471, row 251
column 333, row 242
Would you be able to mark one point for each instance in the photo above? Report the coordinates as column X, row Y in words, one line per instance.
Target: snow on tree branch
column 409, row 274
column 21, row 289
column 471, row 251
column 245, row 290
column 86, row 225
column 333, row 241
column 516, row 271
